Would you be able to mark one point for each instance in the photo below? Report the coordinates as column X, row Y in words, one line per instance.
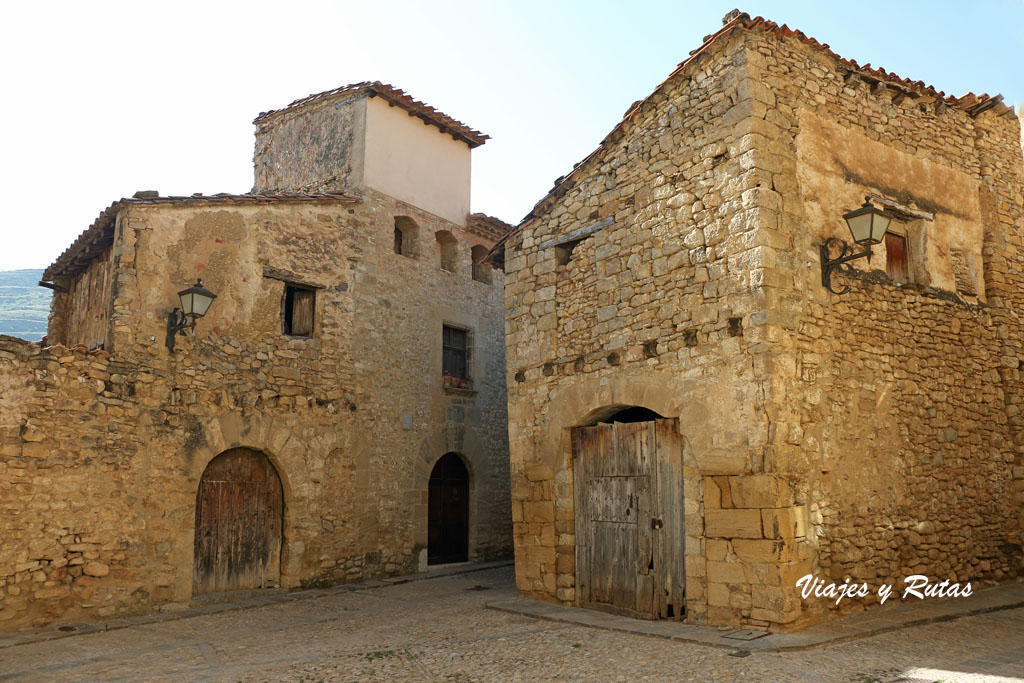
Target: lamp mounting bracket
column 846, row 254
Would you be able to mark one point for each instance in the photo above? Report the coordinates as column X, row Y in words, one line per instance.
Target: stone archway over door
column 448, row 511
column 239, row 513
column 628, row 488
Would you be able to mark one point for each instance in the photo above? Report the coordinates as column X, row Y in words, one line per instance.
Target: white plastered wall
column 416, row 162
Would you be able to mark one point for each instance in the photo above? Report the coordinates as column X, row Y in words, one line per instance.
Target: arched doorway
column 629, row 530
column 239, row 515
column 448, row 511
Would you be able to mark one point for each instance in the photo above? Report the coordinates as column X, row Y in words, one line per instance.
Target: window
column 896, row 257
column 481, row 270
column 563, row 252
column 455, row 351
column 406, row 232
column 299, row 304
column 447, row 246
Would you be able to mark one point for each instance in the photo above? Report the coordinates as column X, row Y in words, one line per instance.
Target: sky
column 101, row 99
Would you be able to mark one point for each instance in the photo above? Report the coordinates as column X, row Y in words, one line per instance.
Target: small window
column 563, row 252
column 447, row 246
column 406, row 232
column 896, row 257
column 455, row 348
column 299, row 304
column 481, row 270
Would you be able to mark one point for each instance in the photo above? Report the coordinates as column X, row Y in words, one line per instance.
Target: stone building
column 695, row 421
column 339, row 413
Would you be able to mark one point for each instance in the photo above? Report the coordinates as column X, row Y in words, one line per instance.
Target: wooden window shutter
column 302, row 312
column 896, row 257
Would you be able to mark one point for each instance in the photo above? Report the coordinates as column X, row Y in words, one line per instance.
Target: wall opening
column 563, row 252
column 447, row 247
column 448, row 511
column 481, row 270
column 238, row 524
column 297, row 310
column 406, row 235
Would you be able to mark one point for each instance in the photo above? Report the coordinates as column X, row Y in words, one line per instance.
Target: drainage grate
column 745, row 634
column 478, row 587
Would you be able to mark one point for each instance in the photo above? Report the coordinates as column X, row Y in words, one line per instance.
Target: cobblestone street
column 440, row 630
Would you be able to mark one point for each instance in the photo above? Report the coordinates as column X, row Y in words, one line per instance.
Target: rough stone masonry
column 105, row 435
column 871, row 435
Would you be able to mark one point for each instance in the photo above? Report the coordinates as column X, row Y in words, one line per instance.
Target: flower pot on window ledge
column 448, row 380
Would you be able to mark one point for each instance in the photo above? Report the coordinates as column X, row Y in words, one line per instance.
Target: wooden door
column 629, row 518
column 448, row 511
column 239, row 515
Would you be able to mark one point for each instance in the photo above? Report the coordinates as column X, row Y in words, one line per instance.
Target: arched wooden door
column 448, row 511
column 239, row 513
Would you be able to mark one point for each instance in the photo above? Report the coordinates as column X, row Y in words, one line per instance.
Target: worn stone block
column 750, row 550
column 733, row 523
column 760, row 491
column 785, row 522
column 727, row 572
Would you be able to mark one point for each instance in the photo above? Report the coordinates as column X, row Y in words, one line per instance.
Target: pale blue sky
column 102, row 99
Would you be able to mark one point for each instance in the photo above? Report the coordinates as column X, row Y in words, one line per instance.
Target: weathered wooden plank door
column 623, row 563
column 239, row 515
column 448, row 511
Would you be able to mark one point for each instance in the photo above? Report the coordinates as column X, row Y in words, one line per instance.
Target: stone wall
column 869, row 435
column 316, row 148
column 899, row 401
column 104, row 449
column 661, row 305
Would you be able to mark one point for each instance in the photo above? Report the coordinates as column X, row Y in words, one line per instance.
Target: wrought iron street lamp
column 195, row 302
column 868, row 226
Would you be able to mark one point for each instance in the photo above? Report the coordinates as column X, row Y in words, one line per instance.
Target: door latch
column 655, row 523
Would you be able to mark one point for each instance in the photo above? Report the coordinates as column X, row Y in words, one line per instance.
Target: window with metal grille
column 896, row 257
column 299, row 303
column 455, row 349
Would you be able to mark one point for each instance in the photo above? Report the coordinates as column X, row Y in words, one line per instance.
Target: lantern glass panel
column 860, row 227
column 187, row 301
column 879, row 226
column 201, row 304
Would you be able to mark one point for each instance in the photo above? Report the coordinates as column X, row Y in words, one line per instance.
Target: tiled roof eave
column 394, row 96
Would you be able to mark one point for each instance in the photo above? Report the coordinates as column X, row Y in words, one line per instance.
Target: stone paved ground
column 439, row 630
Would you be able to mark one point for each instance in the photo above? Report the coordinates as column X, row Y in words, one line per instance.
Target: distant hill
column 24, row 305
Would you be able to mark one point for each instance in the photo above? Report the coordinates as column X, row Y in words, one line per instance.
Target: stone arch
column 239, row 519
column 584, row 403
column 470, row 446
column 448, row 510
column 298, row 458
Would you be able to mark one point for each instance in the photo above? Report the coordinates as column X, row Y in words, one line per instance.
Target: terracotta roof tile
column 100, row 235
column 487, row 226
column 397, row 97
